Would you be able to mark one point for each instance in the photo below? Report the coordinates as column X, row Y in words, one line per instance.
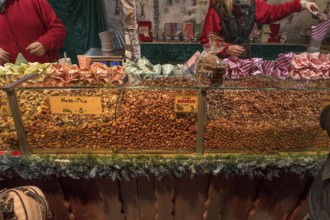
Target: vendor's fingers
column 3, row 61
column 235, row 50
column 3, row 51
column 311, row 6
column 314, row 6
column 32, row 46
column 36, row 48
column 36, row 51
column 238, row 51
column 4, row 56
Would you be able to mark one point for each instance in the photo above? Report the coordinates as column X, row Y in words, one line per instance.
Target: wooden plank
column 109, row 192
column 289, row 195
column 147, row 199
column 164, row 193
column 84, row 198
column 130, row 200
column 230, row 197
column 302, row 210
column 190, row 195
column 279, row 197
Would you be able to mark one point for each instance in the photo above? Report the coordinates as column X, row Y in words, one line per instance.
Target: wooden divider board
column 205, row 197
column 110, row 194
column 279, row 197
column 230, row 198
column 84, row 198
column 190, row 195
column 164, row 192
column 147, row 198
column 129, row 198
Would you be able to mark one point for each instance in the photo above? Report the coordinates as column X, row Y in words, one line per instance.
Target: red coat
column 27, row 21
column 264, row 13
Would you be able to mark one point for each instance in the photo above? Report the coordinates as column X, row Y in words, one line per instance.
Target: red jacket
column 264, row 13
column 27, row 21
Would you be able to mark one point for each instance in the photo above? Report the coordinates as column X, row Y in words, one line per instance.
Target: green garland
column 119, row 167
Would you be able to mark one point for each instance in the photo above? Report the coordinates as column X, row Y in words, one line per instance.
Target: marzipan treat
column 84, row 61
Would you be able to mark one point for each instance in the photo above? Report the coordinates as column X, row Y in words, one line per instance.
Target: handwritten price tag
column 75, row 105
column 4, row 107
column 188, row 104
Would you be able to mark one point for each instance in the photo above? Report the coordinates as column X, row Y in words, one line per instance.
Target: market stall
column 259, row 127
column 153, row 134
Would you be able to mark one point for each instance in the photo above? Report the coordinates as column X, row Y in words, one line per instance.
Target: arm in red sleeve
column 55, row 35
column 212, row 24
column 267, row 13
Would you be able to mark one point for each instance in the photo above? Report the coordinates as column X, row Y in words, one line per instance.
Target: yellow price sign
column 186, row 104
column 75, row 105
column 4, row 107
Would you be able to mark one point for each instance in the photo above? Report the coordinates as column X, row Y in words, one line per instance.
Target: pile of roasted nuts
column 131, row 120
column 8, row 137
column 263, row 120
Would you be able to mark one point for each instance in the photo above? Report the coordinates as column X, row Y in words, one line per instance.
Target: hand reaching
column 235, row 50
column 4, row 57
column 310, row 6
column 36, row 48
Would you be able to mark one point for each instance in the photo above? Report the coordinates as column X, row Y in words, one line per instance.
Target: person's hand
column 4, row 57
column 310, row 6
column 36, row 48
column 235, row 50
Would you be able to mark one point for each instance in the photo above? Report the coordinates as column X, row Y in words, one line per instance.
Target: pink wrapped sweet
column 234, row 70
column 257, row 66
column 268, row 67
column 307, row 73
column 314, row 61
column 300, row 61
column 246, row 66
column 325, row 59
column 282, row 66
column 295, row 74
column 326, row 73
column 318, row 74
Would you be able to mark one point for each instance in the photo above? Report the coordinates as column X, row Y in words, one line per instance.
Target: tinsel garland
column 118, row 167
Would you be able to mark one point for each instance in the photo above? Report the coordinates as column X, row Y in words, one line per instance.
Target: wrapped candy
column 234, row 68
column 257, row 66
column 282, row 65
column 268, row 67
column 300, row 61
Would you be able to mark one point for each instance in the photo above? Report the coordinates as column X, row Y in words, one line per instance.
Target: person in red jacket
column 234, row 20
column 30, row 27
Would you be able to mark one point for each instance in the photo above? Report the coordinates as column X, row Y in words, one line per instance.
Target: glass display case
column 169, row 115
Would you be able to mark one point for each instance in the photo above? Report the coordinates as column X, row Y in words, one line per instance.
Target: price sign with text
column 4, row 107
column 186, row 104
column 75, row 105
